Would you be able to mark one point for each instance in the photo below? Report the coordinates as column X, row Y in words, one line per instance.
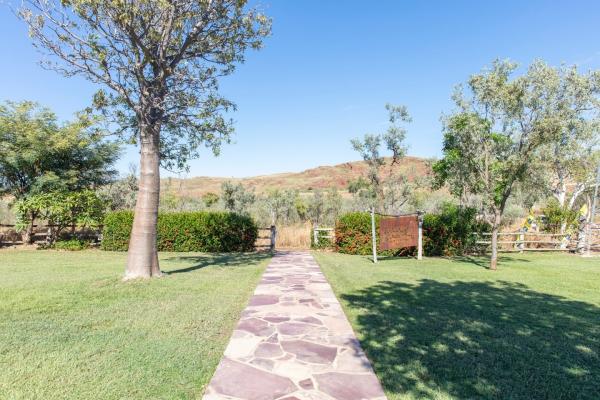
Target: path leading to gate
column 294, row 342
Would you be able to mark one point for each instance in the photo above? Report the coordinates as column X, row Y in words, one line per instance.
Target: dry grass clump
column 295, row 236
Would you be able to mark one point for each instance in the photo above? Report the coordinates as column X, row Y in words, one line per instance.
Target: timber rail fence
column 521, row 241
column 266, row 240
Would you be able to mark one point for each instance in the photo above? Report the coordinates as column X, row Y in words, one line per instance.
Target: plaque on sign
column 399, row 232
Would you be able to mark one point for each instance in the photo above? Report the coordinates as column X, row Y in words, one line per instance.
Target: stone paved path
column 294, row 342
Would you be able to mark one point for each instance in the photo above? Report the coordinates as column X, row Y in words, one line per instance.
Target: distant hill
column 322, row 177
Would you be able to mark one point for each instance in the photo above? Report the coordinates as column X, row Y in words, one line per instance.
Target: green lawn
column 450, row 329
column 70, row 329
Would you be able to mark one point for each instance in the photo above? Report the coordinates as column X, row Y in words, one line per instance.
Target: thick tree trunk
column 142, row 257
column 495, row 228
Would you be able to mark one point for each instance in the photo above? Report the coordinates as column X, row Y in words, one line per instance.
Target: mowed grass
column 451, row 329
column 70, row 329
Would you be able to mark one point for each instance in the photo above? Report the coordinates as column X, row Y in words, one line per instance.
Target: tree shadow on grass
column 479, row 340
column 484, row 261
column 221, row 260
column 480, row 261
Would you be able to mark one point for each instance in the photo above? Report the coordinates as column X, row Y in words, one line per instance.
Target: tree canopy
column 38, row 154
column 159, row 64
column 373, row 191
column 496, row 141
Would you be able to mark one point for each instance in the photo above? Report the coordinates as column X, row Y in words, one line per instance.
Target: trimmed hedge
column 116, row 232
column 353, row 235
column 445, row 234
column 186, row 231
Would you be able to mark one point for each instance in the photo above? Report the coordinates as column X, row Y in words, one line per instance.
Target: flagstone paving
column 293, row 342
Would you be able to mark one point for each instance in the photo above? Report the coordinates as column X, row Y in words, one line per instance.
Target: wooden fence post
column 316, row 236
column 420, row 236
column 373, row 235
column 582, row 236
column 521, row 244
column 273, row 237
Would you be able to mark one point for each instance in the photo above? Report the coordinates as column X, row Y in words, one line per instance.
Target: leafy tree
column 301, row 208
column 559, row 218
column 316, row 207
column 333, row 206
column 369, row 148
column 210, row 199
column 324, row 207
column 236, row 198
column 121, row 194
column 159, row 63
column 573, row 156
column 282, row 206
column 493, row 141
column 60, row 210
column 38, row 154
column 398, row 192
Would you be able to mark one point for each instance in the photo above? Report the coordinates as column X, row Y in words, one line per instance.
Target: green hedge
column 353, row 235
column 451, row 231
column 445, row 234
column 186, row 231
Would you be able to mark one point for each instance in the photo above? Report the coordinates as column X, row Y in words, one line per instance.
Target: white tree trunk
column 142, row 257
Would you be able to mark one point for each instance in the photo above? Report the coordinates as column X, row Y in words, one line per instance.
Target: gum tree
column 158, row 63
column 369, row 149
column 495, row 140
column 574, row 98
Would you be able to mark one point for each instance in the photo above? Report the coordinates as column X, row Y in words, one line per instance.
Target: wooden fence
column 267, row 238
column 593, row 240
column 521, row 241
column 329, row 234
column 9, row 236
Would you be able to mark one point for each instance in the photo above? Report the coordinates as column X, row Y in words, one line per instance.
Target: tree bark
column 142, row 257
column 28, row 234
column 495, row 228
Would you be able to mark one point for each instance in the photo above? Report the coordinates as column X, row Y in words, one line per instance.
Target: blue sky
column 329, row 67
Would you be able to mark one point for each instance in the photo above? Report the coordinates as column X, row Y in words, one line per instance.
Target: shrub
column 71, row 245
column 555, row 216
column 323, row 240
column 445, row 234
column 451, row 232
column 186, row 231
column 353, row 235
column 60, row 210
column 117, row 229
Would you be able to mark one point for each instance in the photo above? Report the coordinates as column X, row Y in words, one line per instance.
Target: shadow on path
column 221, row 260
column 479, row 340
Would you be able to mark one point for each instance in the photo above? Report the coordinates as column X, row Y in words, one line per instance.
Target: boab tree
column 159, row 63
column 496, row 141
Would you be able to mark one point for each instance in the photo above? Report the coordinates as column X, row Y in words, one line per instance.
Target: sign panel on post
column 399, row 232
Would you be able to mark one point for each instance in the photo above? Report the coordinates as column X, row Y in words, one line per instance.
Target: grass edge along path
column 451, row 329
column 71, row 329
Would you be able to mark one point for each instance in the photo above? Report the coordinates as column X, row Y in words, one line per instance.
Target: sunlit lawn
column 70, row 329
column 450, row 329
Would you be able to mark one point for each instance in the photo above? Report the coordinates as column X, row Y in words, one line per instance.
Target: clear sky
column 329, row 67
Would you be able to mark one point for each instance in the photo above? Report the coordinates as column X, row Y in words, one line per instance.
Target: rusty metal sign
column 399, row 232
